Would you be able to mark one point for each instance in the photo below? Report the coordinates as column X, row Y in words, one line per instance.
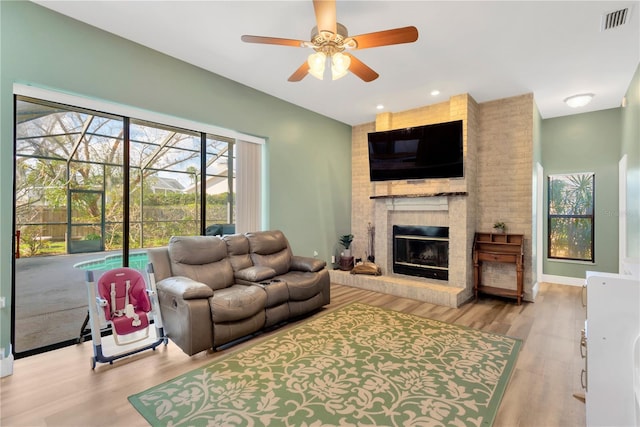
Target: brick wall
column 504, row 178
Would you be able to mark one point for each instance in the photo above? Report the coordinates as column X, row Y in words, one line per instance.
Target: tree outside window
column 571, row 219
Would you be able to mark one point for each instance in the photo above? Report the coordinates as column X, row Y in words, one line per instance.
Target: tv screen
column 430, row 151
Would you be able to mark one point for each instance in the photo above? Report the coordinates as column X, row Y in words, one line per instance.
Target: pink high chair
column 121, row 302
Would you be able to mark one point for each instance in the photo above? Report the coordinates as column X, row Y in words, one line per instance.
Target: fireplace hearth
column 421, row 251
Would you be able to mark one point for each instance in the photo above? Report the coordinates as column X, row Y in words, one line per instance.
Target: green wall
column 631, row 147
column 308, row 156
column 588, row 142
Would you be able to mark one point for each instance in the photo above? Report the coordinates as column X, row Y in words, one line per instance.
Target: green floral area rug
column 356, row 366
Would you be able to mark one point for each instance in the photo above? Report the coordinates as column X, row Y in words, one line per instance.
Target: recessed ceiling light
column 580, row 100
column 379, row 106
column 435, row 92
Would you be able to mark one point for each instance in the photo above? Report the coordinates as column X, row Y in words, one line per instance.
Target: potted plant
column 500, row 227
column 345, row 240
column 346, row 260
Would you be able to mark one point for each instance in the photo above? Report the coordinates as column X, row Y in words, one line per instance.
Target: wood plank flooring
column 59, row 388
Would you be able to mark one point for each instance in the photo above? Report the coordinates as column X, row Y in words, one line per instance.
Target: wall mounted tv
column 423, row 152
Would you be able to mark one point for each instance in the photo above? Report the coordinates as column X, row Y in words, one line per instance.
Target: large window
column 571, row 220
column 73, row 180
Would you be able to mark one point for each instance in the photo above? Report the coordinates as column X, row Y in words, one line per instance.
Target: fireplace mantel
column 417, row 202
column 412, row 196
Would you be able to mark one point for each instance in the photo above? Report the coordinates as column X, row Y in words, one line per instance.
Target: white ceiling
column 490, row 50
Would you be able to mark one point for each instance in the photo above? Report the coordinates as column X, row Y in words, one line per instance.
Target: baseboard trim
column 6, row 364
column 563, row 280
column 531, row 296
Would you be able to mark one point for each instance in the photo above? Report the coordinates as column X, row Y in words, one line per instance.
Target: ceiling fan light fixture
column 339, row 65
column 317, row 63
column 330, row 38
column 577, row 101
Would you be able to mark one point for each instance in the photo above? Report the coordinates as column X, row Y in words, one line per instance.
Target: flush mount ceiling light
column 580, row 100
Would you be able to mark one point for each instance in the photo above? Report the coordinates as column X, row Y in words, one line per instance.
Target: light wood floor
column 59, row 388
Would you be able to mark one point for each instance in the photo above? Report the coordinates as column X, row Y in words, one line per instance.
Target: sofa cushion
column 237, row 302
column 270, row 249
column 201, row 258
column 238, row 250
column 279, row 261
column 301, row 285
column 267, row 242
column 196, row 250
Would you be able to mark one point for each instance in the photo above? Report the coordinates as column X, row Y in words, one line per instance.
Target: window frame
column 589, row 215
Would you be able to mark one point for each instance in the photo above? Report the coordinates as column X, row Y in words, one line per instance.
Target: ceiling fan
column 329, row 39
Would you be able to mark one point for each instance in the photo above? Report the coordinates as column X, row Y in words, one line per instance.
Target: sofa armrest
column 257, row 273
column 184, row 288
column 186, row 313
column 301, row 263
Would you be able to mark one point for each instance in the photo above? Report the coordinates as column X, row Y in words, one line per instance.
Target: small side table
column 493, row 247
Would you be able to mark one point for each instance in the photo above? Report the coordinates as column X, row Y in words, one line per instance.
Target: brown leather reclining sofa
column 214, row 290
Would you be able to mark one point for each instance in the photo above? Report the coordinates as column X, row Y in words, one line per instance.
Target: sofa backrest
column 270, row 249
column 238, row 250
column 201, row 258
column 159, row 257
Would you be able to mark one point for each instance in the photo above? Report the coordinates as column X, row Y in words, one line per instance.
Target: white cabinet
column 612, row 363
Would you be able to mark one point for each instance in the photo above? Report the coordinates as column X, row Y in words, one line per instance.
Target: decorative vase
column 346, row 263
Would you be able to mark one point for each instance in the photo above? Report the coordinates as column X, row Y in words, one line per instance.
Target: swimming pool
column 137, row 260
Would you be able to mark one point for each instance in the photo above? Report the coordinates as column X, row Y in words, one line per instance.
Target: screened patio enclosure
column 80, row 174
column 93, row 182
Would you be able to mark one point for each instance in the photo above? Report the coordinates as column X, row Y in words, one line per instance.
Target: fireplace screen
column 421, row 251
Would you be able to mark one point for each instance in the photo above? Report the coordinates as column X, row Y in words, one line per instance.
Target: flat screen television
column 423, row 152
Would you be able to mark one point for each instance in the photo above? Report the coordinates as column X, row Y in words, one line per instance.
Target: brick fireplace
column 497, row 185
column 448, row 211
column 438, row 211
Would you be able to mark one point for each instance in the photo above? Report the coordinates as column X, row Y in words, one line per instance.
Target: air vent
column 614, row 19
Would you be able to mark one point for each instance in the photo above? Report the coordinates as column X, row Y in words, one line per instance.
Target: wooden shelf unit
column 497, row 247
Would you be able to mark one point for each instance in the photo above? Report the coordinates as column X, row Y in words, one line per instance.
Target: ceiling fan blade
column 361, row 70
column 273, row 40
column 300, row 73
column 325, row 15
column 387, row 37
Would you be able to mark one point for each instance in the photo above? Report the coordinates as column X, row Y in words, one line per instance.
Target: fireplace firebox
column 421, row 251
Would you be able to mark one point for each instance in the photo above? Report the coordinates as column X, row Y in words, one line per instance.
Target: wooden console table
column 507, row 248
